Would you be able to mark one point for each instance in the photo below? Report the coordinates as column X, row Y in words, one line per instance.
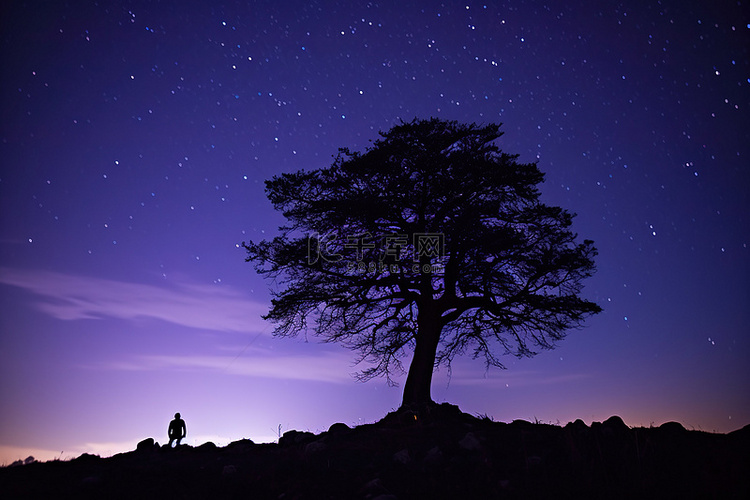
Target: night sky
column 136, row 137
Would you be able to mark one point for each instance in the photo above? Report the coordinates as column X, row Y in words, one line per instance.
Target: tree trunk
column 419, row 379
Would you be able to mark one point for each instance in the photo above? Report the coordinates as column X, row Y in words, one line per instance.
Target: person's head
column 177, row 415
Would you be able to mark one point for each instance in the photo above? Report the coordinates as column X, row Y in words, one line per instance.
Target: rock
column 672, row 427
column 91, row 480
column 522, row 424
column 534, row 460
column 145, row 445
column 338, row 428
column 243, row 445
column 470, row 442
column 427, row 413
column 295, row 437
column 577, row 426
column 373, row 488
column 741, row 434
column 207, row 446
column 315, row 447
column 434, row 456
column 616, row 425
column 446, row 412
column 375, row 484
column 87, row 458
column 403, row 457
column 402, row 417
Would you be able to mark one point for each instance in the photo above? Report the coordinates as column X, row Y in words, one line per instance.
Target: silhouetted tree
column 433, row 240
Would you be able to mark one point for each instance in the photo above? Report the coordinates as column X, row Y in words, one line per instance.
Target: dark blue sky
column 136, row 137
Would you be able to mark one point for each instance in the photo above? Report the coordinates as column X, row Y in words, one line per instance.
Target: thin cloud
column 323, row 367
column 73, row 297
column 514, row 379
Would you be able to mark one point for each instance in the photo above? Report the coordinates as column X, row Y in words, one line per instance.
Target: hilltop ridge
column 432, row 452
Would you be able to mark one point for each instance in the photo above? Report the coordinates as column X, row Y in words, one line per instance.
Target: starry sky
column 136, row 136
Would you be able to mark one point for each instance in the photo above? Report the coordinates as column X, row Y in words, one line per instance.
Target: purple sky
column 134, row 145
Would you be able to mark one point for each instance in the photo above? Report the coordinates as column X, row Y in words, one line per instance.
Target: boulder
column 522, row 424
column 87, row 458
column 577, row 426
column 207, row 446
column 315, row 447
column 433, row 457
column 295, row 437
column 146, row 445
column 373, row 488
column 615, row 425
column 470, row 442
column 672, row 428
column 403, row 457
column 338, row 428
column 91, row 481
column 242, row 445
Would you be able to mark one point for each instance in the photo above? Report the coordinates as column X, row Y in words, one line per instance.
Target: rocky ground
column 438, row 452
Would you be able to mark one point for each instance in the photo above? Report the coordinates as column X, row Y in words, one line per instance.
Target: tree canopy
column 433, row 240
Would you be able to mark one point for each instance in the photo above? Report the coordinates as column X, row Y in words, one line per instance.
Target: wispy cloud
column 322, row 367
column 509, row 378
column 73, row 297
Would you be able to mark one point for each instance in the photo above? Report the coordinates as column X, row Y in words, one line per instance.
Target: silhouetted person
column 177, row 430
